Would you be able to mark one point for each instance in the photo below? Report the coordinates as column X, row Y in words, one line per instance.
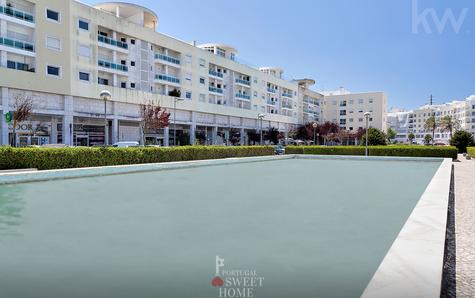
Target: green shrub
column 376, row 137
column 63, row 158
column 462, row 139
column 398, row 150
column 471, row 151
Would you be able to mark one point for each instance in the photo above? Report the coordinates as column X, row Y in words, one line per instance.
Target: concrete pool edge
column 413, row 265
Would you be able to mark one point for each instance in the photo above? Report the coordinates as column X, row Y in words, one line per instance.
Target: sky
column 400, row 47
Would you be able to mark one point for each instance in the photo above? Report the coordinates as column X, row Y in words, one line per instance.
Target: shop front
column 31, row 133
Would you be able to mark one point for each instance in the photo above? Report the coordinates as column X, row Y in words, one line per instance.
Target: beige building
column 62, row 54
column 348, row 109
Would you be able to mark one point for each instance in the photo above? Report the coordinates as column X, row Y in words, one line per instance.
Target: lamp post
column 105, row 96
column 367, row 115
column 175, row 100
column 318, row 139
column 314, row 125
column 261, row 117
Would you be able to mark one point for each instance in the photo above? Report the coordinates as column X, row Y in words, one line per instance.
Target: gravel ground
column 465, row 227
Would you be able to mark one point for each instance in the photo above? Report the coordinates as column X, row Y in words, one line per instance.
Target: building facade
column 407, row 122
column 61, row 54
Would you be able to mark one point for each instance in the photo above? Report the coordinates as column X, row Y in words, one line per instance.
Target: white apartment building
column 348, row 109
column 62, row 54
column 407, row 122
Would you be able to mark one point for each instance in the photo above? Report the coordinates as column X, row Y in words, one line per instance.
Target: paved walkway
column 465, row 227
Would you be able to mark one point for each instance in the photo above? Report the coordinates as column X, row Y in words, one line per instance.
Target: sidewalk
column 465, row 227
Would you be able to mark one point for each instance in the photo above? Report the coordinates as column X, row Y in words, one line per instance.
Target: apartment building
column 310, row 102
column 407, row 122
column 347, row 109
column 62, row 54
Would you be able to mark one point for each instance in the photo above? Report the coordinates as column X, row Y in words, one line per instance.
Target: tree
column 411, row 137
column 428, row 140
column 273, row 135
column 234, row 136
column 254, row 137
column 327, row 129
column 431, row 125
column 22, row 110
column 462, row 139
column 449, row 124
column 153, row 117
column 375, row 137
column 391, row 134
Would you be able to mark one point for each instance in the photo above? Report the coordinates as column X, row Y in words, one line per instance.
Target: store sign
column 8, row 117
column 32, row 127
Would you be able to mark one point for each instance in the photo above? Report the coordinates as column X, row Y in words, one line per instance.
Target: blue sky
column 363, row 45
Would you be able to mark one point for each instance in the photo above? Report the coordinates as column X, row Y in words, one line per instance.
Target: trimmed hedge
column 471, row 151
column 401, row 151
column 80, row 157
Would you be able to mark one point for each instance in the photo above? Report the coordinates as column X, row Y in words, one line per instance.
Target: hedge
column 401, row 151
column 79, row 157
column 471, row 151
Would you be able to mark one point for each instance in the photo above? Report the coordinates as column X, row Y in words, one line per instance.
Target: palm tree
column 431, row 125
column 450, row 124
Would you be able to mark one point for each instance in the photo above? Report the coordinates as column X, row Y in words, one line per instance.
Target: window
column 54, row 71
column 188, row 95
column 123, row 85
column 202, row 62
column 360, row 101
column 202, row 97
column 102, row 81
column 132, row 63
column 84, row 25
column 188, row 77
column 84, row 51
column 132, row 85
column 202, row 81
column 132, row 41
column 53, row 43
column 188, row 59
column 52, row 15
column 84, row 76
column 371, row 100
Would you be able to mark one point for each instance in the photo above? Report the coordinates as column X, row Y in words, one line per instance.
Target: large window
column 52, row 15
column 84, row 76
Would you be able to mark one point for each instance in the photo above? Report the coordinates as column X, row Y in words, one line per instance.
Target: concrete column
column 68, row 123
column 192, row 134
column 4, row 101
column 242, row 138
column 286, row 136
column 214, row 135
column 54, row 131
column 3, row 32
column 115, row 130
column 166, row 136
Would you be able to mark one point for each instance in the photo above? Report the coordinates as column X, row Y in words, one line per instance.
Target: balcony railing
column 167, row 58
column 170, row 79
column 271, row 90
column 19, row 66
column 112, row 42
column 15, row 13
column 310, row 111
column 244, row 82
column 216, row 90
column 287, row 95
column 215, row 73
column 108, row 64
column 243, row 96
column 270, row 102
column 287, row 106
column 17, row 44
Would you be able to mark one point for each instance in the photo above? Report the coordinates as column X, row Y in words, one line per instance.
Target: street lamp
column 367, row 115
column 105, row 96
column 314, row 125
column 261, row 117
column 175, row 100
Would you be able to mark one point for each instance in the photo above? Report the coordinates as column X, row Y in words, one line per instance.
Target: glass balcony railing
column 271, row 90
column 243, row 96
column 110, row 65
column 216, row 90
column 19, row 66
column 15, row 13
column 112, row 42
column 17, row 44
column 310, row 111
column 167, row 58
column 289, row 95
column 244, row 82
column 215, row 73
column 170, row 79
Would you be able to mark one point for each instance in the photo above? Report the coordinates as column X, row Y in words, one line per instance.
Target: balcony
column 243, row 96
column 216, row 90
column 287, row 106
column 289, row 95
column 114, row 66
column 271, row 90
column 112, row 42
column 19, row 66
column 167, row 78
column 272, row 103
column 18, row 14
column 168, row 59
column 243, row 82
column 17, row 44
column 215, row 74
column 309, row 111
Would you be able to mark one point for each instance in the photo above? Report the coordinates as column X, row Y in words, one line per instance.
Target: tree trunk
column 13, row 138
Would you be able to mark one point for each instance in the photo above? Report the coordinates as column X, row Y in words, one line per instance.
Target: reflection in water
column 11, row 207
